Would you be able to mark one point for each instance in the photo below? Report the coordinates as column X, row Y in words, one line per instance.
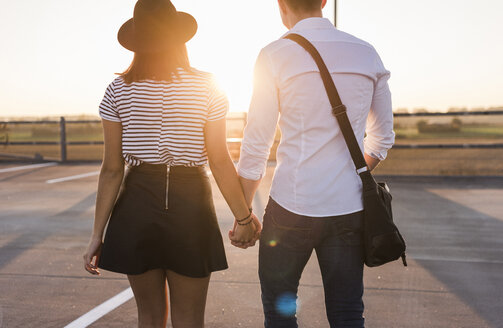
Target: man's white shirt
column 315, row 175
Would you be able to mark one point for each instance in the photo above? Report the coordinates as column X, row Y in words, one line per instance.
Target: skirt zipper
column 167, row 185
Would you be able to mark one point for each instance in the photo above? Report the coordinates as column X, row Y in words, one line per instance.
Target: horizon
column 55, row 71
column 84, row 116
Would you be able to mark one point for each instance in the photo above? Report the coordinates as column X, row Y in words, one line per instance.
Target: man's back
column 315, row 175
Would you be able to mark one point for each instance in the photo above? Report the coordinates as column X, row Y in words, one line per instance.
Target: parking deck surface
column 453, row 227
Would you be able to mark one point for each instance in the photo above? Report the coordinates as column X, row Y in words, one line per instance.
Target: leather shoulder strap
column 338, row 109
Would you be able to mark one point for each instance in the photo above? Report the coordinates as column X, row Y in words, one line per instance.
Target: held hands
column 245, row 234
column 93, row 252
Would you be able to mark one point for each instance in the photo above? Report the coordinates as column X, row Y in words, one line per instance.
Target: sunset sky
column 58, row 56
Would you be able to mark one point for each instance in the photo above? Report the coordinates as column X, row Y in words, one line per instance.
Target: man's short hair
column 304, row 5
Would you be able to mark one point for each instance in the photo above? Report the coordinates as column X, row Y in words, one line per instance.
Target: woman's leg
column 188, row 300
column 150, row 293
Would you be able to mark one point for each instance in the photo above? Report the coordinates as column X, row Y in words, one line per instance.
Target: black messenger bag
column 383, row 242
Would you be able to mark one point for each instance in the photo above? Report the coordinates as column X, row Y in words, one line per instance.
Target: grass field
column 469, row 133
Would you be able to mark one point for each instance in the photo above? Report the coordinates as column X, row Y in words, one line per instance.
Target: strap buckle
column 362, row 169
column 336, row 112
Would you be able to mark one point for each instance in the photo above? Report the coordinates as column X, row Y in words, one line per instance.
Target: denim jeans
column 286, row 245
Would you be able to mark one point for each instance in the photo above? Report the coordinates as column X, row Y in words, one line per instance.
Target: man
column 315, row 200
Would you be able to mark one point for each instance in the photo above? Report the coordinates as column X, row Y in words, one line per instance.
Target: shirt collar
column 312, row 23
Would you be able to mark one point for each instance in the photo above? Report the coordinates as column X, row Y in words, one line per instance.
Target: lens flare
column 273, row 243
column 286, row 304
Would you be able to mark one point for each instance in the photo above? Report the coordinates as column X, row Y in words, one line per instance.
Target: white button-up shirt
column 315, row 175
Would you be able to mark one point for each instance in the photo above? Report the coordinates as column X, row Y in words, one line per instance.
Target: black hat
column 155, row 25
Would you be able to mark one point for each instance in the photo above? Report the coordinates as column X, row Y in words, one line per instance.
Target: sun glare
column 234, row 75
column 228, row 47
column 42, row 60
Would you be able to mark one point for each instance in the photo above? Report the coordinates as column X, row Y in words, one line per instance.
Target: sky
column 58, row 56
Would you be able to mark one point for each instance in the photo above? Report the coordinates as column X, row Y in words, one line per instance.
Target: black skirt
column 164, row 218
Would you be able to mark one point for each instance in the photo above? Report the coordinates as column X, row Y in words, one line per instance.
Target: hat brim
column 182, row 30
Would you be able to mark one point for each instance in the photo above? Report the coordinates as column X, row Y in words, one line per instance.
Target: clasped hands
column 245, row 234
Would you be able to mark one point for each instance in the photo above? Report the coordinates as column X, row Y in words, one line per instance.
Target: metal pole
column 335, row 13
column 62, row 135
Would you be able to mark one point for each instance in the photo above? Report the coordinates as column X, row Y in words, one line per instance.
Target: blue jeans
column 286, row 245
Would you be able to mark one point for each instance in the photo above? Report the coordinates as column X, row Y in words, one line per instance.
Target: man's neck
column 295, row 18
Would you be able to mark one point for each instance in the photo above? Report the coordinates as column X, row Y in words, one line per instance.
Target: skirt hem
column 181, row 272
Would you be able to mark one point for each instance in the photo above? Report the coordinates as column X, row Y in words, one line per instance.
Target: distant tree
column 421, row 125
column 424, row 127
column 420, row 110
column 495, row 108
column 456, row 123
column 457, row 109
column 401, row 110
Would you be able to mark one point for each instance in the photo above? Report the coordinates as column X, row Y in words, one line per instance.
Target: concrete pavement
column 453, row 227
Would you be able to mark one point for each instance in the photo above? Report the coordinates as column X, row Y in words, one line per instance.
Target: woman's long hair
column 160, row 66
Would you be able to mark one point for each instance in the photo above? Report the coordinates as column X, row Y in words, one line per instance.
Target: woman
column 164, row 119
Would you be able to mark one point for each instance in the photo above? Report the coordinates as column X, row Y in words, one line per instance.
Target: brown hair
column 304, row 5
column 161, row 66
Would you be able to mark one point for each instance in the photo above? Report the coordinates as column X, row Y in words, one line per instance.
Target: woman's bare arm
column 112, row 172
column 226, row 176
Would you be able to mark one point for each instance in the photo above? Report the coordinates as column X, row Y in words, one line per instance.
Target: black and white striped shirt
column 163, row 122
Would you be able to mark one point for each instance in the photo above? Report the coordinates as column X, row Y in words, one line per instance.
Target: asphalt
column 453, row 227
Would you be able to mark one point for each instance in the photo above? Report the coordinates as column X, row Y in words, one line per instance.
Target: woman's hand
column 93, row 252
column 247, row 235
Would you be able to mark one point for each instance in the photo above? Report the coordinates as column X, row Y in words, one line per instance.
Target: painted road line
column 74, row 177
column 27, row 167
column 102, row 309
column 425, row 257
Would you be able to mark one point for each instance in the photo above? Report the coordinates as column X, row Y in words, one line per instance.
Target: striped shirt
column 163, row 122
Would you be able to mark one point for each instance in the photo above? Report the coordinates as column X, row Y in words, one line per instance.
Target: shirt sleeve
column 380, row 136
column 218, row 104
column 108, row 106
column 262, row 121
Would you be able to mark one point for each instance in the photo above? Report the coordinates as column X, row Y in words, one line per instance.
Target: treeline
column 450, row 110
column 423, row 126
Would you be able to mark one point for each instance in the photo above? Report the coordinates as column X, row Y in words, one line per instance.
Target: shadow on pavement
column 36, row 233
column 459, row 246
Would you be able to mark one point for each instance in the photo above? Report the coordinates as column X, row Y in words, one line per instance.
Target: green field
column 51, row 132
column 474, row 132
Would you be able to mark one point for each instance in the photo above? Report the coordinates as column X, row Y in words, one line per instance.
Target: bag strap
column 338, row 109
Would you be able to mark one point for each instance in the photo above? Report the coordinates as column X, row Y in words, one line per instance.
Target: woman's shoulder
column 189, row 75
column 208, row 79
column 194, row 73
column 116, row 83
column 119, row 84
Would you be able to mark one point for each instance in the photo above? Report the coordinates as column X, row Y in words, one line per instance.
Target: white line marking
column 102, row 309
column 27, row 167
column 454, row 259
column 73, row 177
